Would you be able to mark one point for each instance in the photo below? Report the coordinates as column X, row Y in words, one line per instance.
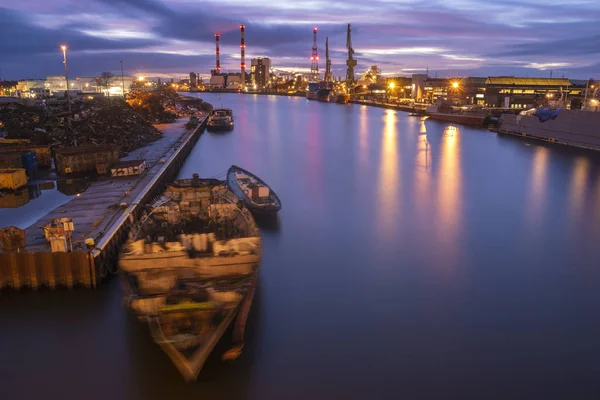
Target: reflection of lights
column 449, row 188
column 538, row 183
column 578, row 183
column 388, row 177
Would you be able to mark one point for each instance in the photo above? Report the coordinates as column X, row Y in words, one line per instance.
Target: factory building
column 260, row 73
column 513, row 92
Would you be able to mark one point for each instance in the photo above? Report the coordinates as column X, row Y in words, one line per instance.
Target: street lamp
column 64, row 50
column 455, row 85
column 122, row 80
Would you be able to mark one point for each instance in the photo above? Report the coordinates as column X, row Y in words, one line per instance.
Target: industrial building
column 260, row 72
column 55, row 85
column 513, row 92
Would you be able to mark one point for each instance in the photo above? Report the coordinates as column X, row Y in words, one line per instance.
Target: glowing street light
column 392, row 85
column 455, row 85
column 64, row 50
column 141, row 78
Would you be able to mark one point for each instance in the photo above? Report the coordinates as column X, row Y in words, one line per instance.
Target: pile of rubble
column 164, row 105
column 104, row 121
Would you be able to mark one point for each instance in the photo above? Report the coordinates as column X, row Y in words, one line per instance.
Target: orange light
column 63, row 47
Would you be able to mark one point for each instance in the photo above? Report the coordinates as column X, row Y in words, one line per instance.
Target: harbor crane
column 328, row 76
column 350, row 63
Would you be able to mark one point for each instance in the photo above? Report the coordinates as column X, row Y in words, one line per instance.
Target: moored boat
column 323, row 94
column 191, row 265
column 254, row 192
column 311, row 92
column 341, row 98
column 577, row 128
column 220, row 119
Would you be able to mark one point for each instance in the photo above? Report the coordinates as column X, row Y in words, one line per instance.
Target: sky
column 170, row 38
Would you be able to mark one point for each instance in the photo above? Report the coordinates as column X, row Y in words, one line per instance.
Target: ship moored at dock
column 577, row 128
column 220, row 119
column 253, row 191
column 190, row 266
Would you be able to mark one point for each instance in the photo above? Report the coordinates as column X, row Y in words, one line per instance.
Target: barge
column 577, row 128
column 220, row 119
column 190, row 267
column 253, row 191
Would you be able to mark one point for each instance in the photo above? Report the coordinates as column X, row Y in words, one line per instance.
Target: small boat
column 220, row 119
column 256, row 194
column 190, row 267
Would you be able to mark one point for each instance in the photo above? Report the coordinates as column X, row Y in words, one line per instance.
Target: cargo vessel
column 579, row 128
column 190, row 267
column 311, row 91
column 256, row 194
column 220, row 119
column 441, row 112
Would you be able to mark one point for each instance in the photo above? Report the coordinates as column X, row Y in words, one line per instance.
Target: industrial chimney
column 243, row 60
column 217, row 52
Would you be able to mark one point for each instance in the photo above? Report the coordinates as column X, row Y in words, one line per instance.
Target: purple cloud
column 452, row 37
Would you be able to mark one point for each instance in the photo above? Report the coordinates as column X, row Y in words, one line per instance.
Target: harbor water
column 411, row 259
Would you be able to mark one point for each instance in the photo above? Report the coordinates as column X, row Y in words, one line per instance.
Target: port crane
column 350, row 63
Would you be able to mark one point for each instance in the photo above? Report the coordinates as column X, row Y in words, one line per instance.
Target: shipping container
column 14, row 141
column 84, row 159
column 12, row 179
column 42, row 153
column 11, row 160
column 15, row 199
column 23, row 159
column 126, row 168
column 29, row 162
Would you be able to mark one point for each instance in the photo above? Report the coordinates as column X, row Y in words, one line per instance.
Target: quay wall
column 88, row 268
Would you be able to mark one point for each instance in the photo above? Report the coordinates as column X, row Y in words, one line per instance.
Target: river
column 413, row 259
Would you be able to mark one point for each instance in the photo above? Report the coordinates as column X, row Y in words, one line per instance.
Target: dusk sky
column 175, row 37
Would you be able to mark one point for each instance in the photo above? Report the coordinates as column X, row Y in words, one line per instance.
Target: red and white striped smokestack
column 243, row 60
column 217, row 52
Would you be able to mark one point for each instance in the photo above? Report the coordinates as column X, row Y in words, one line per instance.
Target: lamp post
column 64, row 50
column 122, row 80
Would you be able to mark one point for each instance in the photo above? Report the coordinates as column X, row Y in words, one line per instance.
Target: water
column 24, row 206
column 413, row 259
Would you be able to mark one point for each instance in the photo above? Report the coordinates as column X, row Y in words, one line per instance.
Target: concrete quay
column 104, row 213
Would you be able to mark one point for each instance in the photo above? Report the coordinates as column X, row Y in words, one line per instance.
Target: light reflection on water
column 388, row 202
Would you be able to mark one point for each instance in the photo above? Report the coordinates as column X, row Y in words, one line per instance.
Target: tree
column 104, row 79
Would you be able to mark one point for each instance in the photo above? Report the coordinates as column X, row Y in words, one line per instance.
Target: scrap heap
column 105, row 121
column 164, row 105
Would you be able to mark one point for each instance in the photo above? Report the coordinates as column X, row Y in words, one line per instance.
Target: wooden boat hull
column 195, row 269
column 269, row 208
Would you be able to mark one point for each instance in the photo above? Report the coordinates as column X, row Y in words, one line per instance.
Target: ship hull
column 571, row 127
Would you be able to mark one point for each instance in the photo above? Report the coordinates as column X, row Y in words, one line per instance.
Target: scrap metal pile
column 164, row 105
column 104, row 121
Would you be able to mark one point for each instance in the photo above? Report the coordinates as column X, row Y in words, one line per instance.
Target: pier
column 104, row 214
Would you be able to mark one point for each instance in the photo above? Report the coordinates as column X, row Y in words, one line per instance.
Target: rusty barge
column 190, row 266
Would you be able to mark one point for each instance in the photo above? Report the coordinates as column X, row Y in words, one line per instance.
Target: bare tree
column 104, row 79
